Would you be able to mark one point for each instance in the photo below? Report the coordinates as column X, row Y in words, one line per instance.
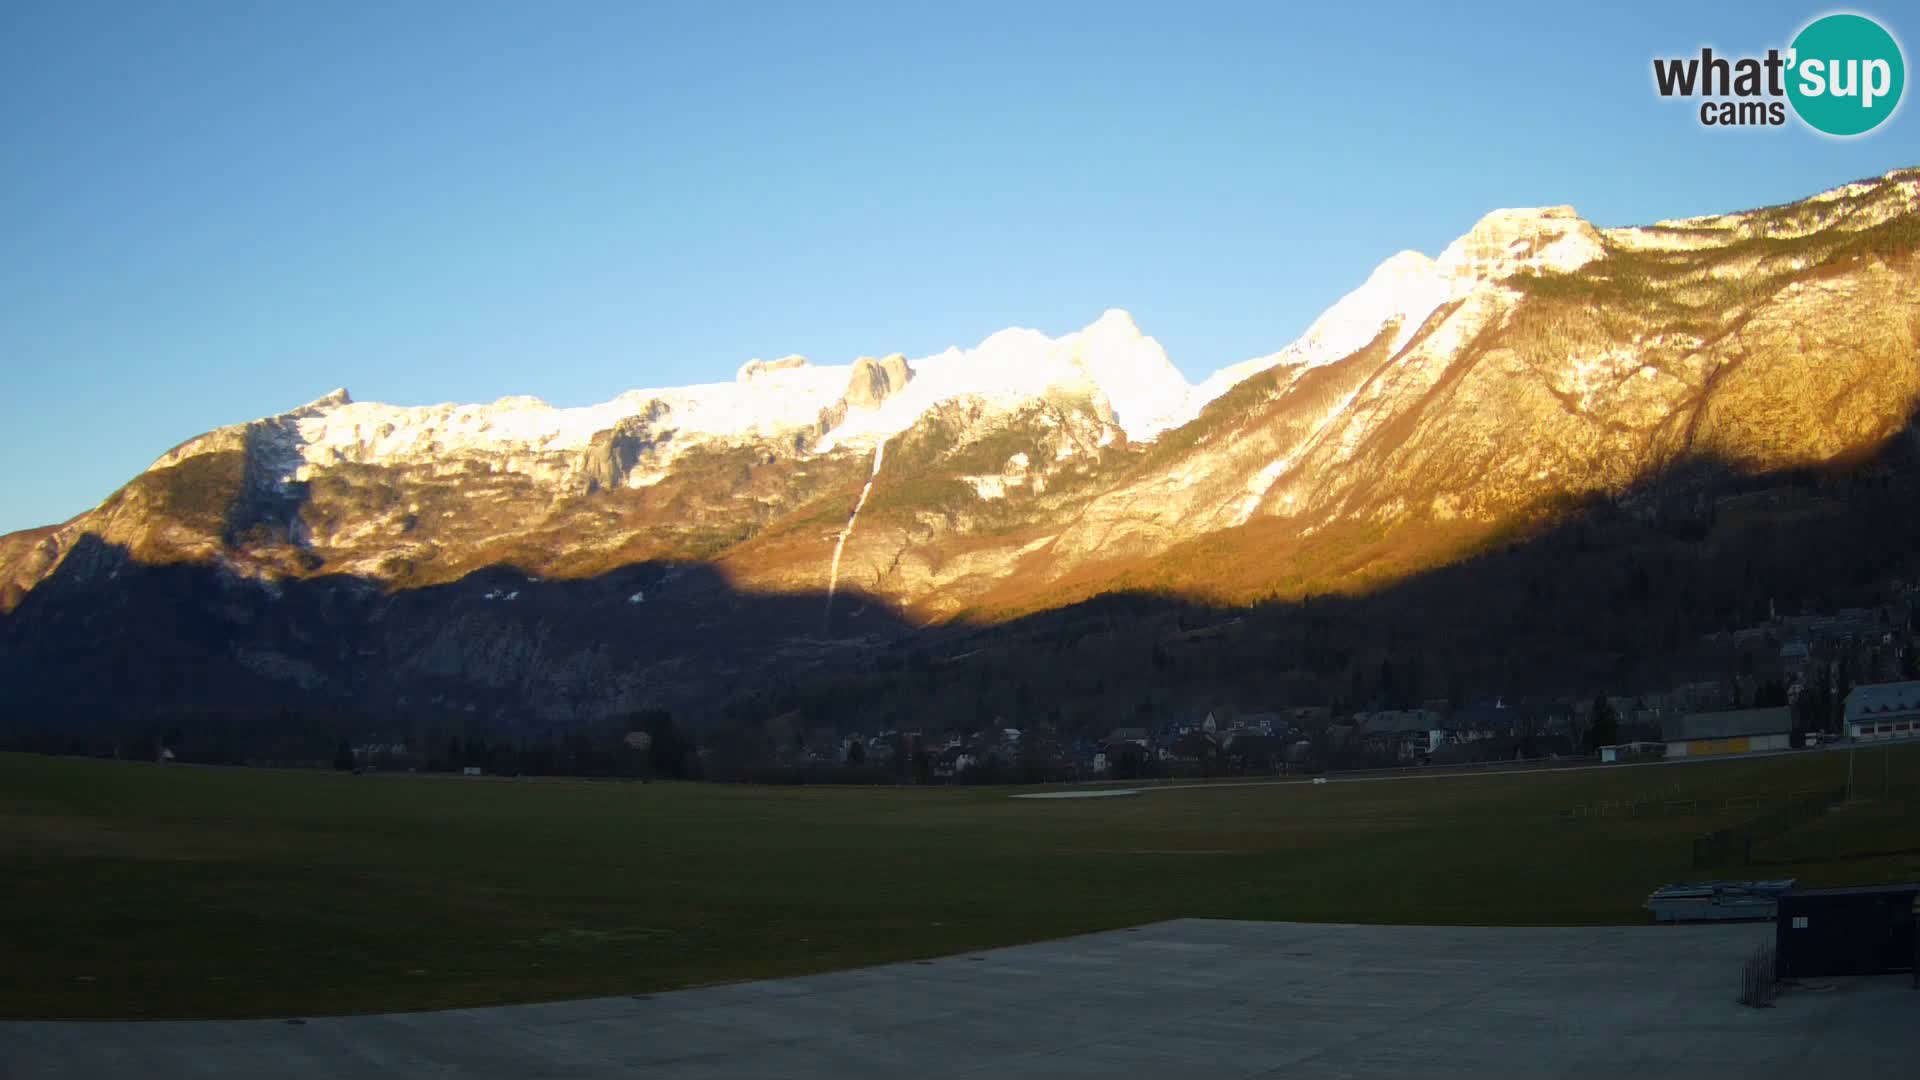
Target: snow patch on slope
column 1406, row 288
column 1409, row 287
column 1263, row 481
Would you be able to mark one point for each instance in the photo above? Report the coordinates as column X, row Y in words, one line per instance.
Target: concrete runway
column 1184, row 998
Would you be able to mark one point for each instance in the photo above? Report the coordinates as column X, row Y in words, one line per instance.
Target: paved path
column 1184, row 998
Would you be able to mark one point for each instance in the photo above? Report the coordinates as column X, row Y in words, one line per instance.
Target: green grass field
column 141, row 890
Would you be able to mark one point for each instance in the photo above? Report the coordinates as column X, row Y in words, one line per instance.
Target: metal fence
column 1665, row 802
column 1640, row 804
column 1734, row 844
column 1759, row 984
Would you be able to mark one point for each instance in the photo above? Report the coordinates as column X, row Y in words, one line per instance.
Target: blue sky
column 215, row 211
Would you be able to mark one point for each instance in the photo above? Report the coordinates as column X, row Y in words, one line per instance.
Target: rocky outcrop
column 1506, row 242
column 873, row 381
column 754, row 370
column 615, row 457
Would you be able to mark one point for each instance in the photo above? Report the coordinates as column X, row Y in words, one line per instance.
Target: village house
column 1473, row 723
column 1649, row 712
column 1795, row 658
column 1195, row 748
column 1395, row 732
column 1263, row 723
column 951, row 762
column 1257, row 752
column 1702, row 696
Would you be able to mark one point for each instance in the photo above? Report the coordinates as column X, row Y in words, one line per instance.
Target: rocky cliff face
column 1537, row 360
column 1558, row 362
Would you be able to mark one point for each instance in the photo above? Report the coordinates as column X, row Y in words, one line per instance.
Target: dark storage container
column 1859, row 931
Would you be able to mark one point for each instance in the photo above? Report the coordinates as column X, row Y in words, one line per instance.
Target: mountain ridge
column 1537, row 363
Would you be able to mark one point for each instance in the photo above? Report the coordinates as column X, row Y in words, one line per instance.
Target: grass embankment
column 137, row 890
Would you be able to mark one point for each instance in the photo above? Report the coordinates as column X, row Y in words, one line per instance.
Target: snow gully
column 840, row 545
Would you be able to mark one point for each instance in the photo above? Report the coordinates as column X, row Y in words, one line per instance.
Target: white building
column 1632, row 750
column 1883, row 711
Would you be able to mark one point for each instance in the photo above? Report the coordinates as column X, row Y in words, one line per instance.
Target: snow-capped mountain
column 1122, row 374
column 1536, row 362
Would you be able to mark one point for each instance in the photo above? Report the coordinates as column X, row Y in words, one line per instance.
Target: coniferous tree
column 1605, row 728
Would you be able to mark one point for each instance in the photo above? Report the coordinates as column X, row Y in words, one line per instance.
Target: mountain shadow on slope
column 1608, row 595
column 107, row 640
column 1604, row 595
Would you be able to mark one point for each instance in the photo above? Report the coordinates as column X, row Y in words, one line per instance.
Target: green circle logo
column 1846, row 74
